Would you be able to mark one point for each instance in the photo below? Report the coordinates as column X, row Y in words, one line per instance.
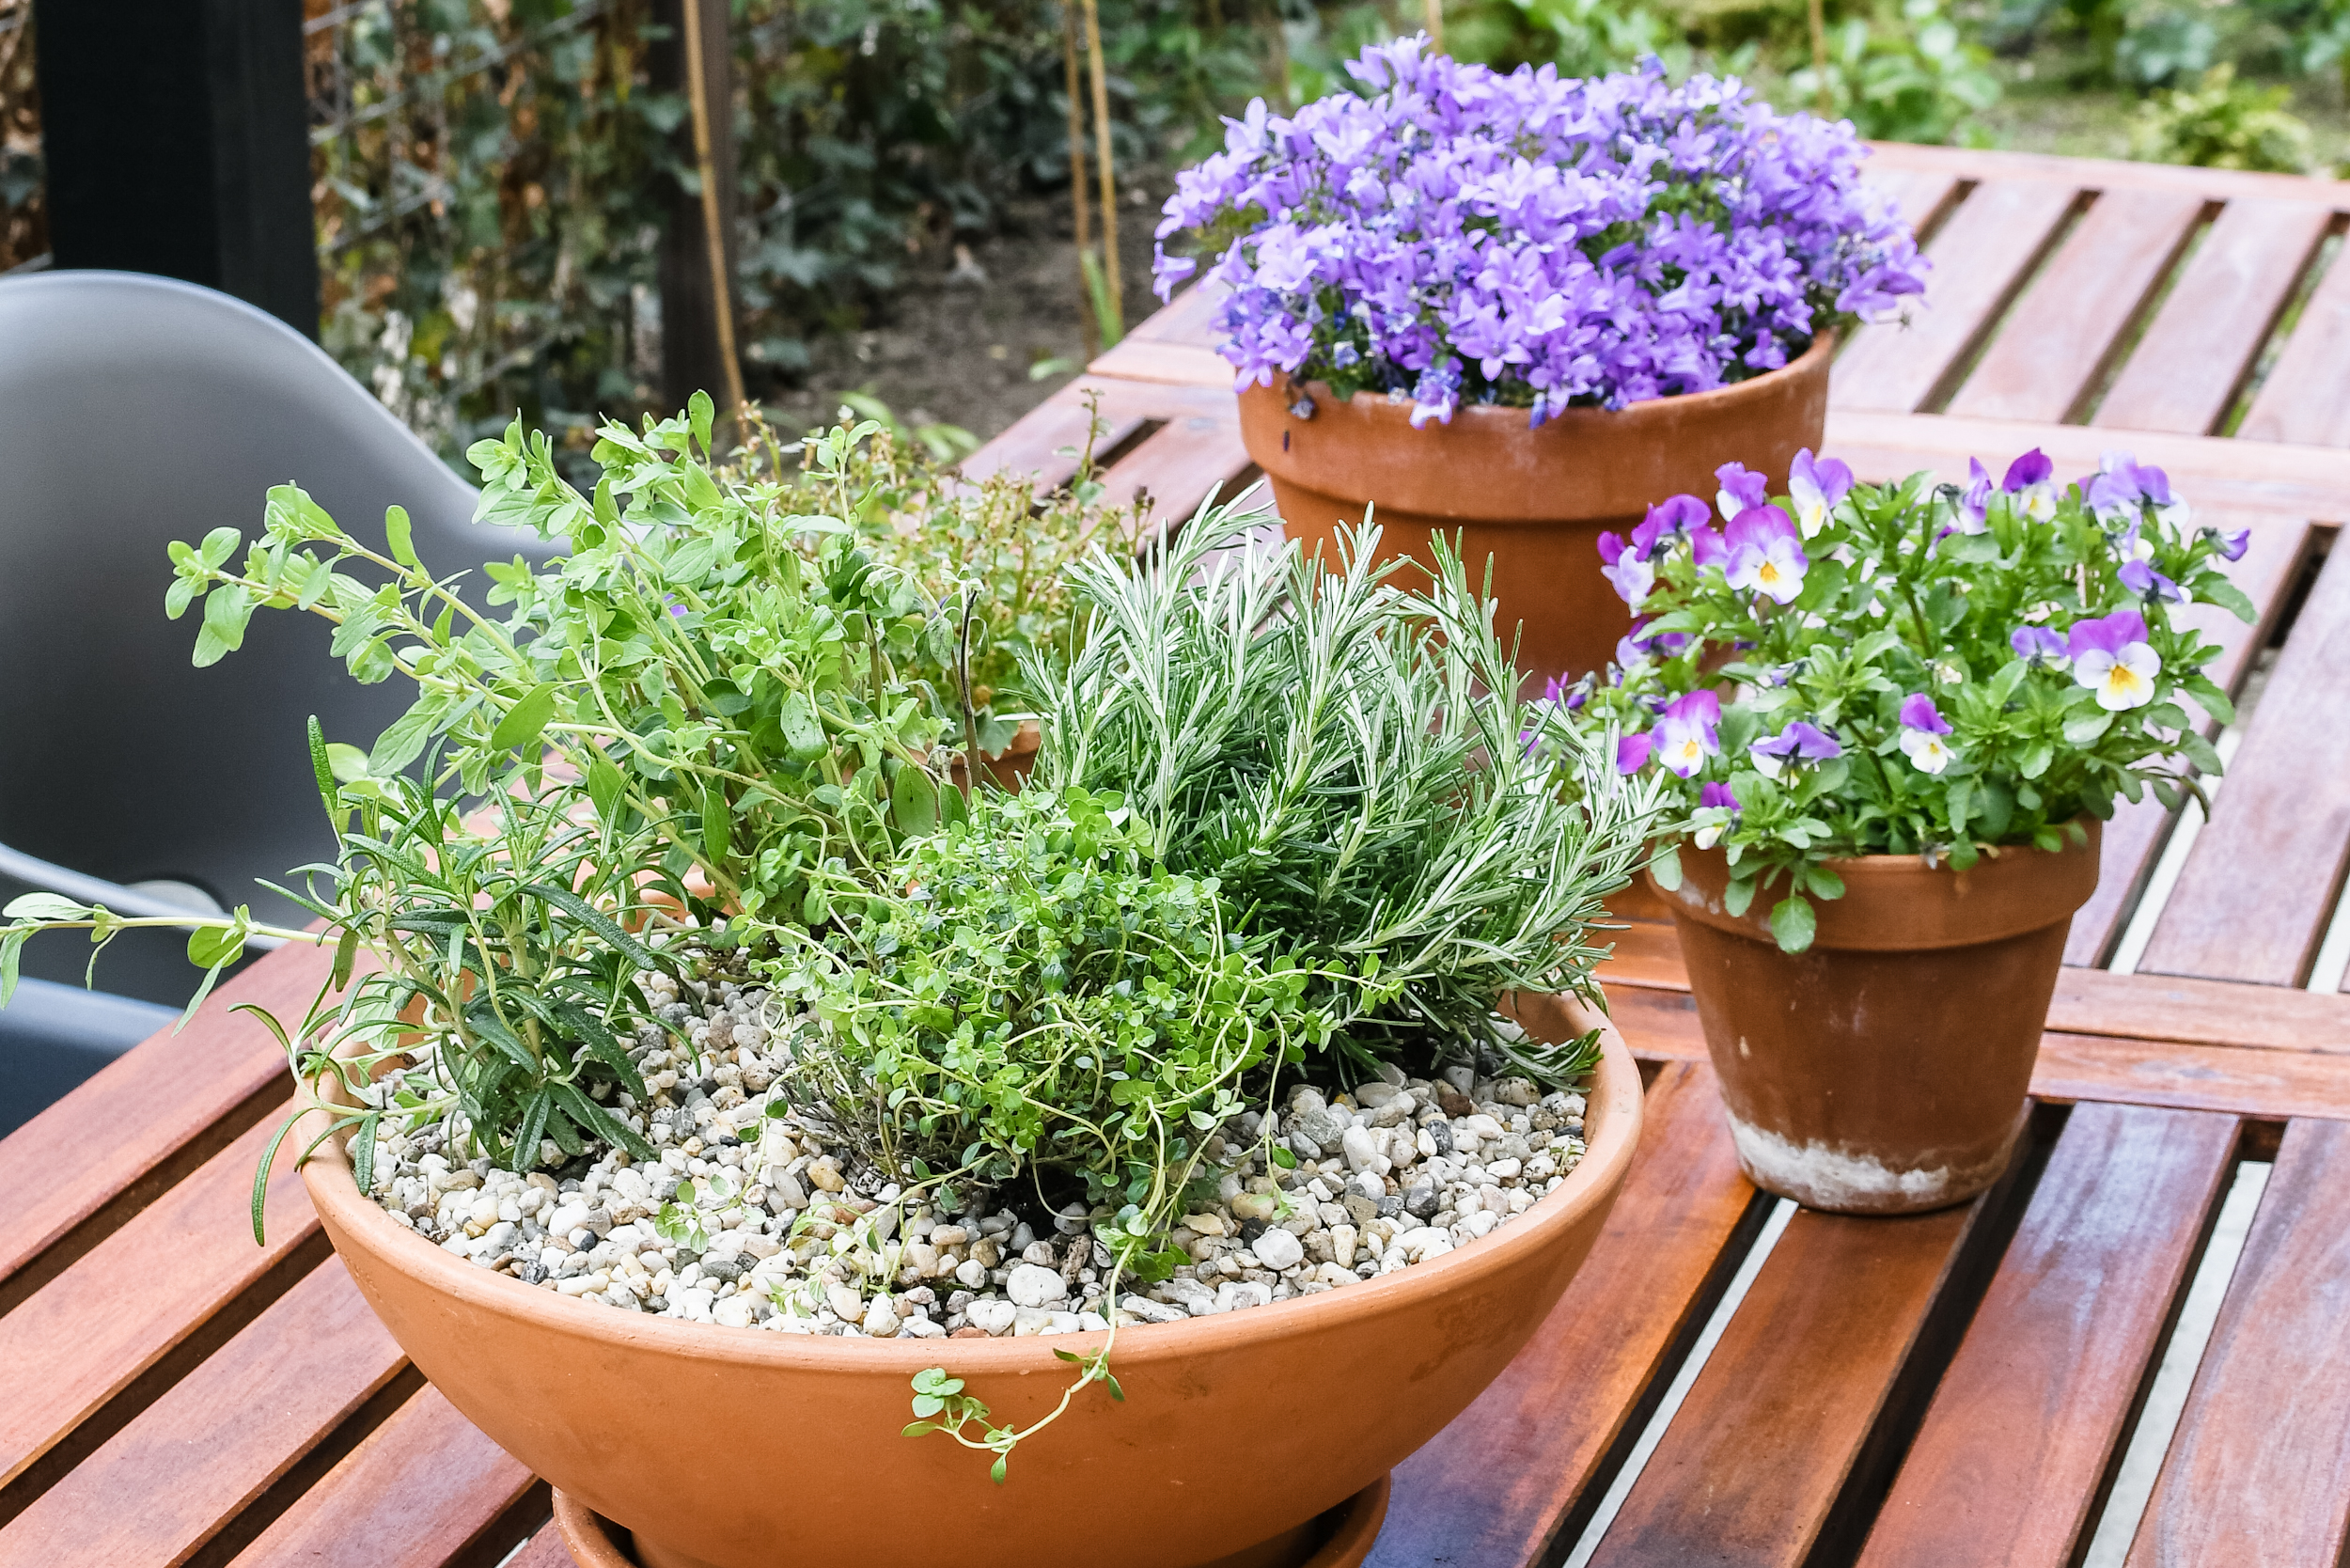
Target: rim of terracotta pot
column 1384, row 405
column 1612, row 1116
column 1894, row 903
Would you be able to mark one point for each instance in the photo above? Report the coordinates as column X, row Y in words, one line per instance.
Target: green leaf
column 2035, row 760
column 1665, row 869
column 346, row 956
column 717, row 823
column 12, row 952
column 606, row 787
column 44, row 906
column 405, row 742
column 702, row 412
column 2201, row 753
column 1282, row 1158
column 913, row 802
column 363, row 1152
column 225, row 612
column 1738, row 896
column 322, row 768
column 2225, row 594
column 396, row 531
column 2085, row 729
column 519, row 728
column 995, row 1472
column 1793, row 924
column 260, row 1176
column 216, row 946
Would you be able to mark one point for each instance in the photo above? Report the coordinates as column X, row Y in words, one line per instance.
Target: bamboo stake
column 1086, row 325
column 1435, row 25
column 1102, row 155
column 713, row 226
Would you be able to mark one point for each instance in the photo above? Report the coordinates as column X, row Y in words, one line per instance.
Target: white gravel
column 779, row 1232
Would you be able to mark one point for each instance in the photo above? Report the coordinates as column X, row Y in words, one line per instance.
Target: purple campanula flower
column 1742, row 489
column 1766, row 554
column 1686, row 732
column 1632, row 752
column 2140, row 578
column 2112, row 658
column 2039, row 645
column 1922, row 730
column 1797, row 744
column 2031, row 479
column 1721, row 807
column 1816, row 486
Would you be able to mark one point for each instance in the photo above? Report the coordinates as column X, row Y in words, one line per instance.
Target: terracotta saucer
column 1339, row 1539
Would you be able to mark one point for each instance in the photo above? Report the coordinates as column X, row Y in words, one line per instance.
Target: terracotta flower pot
column 1535, row 501
column 1885, row 1070
column 741, row 1448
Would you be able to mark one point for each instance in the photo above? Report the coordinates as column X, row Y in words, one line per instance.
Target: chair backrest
column 137, row 410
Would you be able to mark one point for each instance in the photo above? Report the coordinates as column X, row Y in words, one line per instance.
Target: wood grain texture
column 2055, row 340
column 91, row 1331
column 166, row 1105
column 2144, row 1007
column 2104, row 174
column 2238, row 476
column 544, row 1550
column 1177, row 465
column 1980, row 255
column 1493, row 1488
column 175, row 1476
column 2128, row 847
column 2008, row 1466
column 2185, row 371
column 1752, row 1465
column 2258, row 887
column 1047, row 441
column 2259, row 1470
column 1919, row 195
column 2307, row 396
column 422, row 1490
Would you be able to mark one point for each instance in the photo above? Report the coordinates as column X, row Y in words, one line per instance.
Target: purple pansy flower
column 1974, row 502
column 2112, row 658
column 1766, row 554
column 1684, row 732
column 2232, row 545
column 1922, row 728
column 1715, row 798
column 2032, row 468
column 2039, row 644
column 2140, row 578
column 1800, row 743
column 1742, row 489
column 1632, row 752
column 1627, row 567
column 1815, row 486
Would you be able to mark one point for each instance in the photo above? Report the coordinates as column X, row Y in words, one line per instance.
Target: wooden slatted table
column 1954, row 1388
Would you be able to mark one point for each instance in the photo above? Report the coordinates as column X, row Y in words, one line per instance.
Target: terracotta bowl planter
column 739, row 1448
column 1534, row 501
column 1885, row 1070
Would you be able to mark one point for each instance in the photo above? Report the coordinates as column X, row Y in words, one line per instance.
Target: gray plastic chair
column 134, row 410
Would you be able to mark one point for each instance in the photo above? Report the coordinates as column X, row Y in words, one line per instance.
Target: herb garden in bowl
column 710, row 1092
column 1513, row 311
column 1894, row 716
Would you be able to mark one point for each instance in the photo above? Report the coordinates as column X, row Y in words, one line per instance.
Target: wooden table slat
column 180, row 1472
column 2187, row 369
column 166, row 1107
column 1919, row 195
column 1980, row 254
column 1177, row 465
column 2278, row 549
column 2259, row 1468
column 2254, row 896
column 1047, row 441
column 142, row 1292
column 2303, row 400
column 1753, row 1464
column 1497, row 1486
column 2010, row 1461
column 423, row 1490
column 2055, row 340
column 546, row 1551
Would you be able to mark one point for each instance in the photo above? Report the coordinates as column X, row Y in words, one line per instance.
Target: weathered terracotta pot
column 1013, row 768
column 1885, row 1070
column 739, row 1448
column 1535, row 501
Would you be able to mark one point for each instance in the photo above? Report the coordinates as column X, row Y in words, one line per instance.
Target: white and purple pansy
column 2140, row 576
column 2230, row 544
column 1632, row 752
column 2111, row 657
column 1974, row 502
column 1923, row 729
column 1686, row 732
column 1742, row 489
column 2031, row 479
column 1815, row 486
column 1717, row 807
column 1627, row 567
column 1765, row 554
column 2042, row 646
column 1798, row 744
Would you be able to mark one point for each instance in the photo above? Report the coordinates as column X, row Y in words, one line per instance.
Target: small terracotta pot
column 1885, row 1070
column 1013, row 768
column 741, row 1448
column 1535, row 501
